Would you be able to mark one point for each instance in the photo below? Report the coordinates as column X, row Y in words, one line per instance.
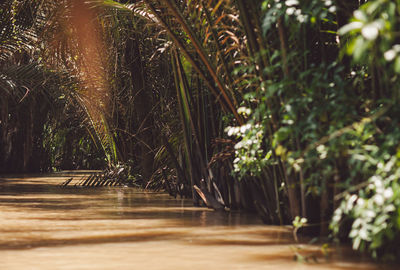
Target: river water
column 44, row 226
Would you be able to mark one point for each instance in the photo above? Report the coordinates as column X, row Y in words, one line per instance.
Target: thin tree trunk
column 143, row 104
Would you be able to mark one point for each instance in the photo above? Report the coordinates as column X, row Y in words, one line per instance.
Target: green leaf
column 283, row 133
column 350, row 27
column 397, row 65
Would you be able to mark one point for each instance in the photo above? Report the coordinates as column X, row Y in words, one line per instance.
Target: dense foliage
column 288, row 108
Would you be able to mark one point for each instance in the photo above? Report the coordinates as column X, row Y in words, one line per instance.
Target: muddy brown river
column 44, row 226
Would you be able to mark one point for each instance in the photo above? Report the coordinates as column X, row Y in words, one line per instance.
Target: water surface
column 44, row 226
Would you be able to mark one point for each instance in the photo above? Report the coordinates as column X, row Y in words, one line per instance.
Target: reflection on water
column 44, row 226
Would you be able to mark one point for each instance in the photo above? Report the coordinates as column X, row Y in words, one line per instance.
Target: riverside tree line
column 287, row 108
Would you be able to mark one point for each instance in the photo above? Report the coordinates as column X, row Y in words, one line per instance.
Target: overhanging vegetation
column 287, row 108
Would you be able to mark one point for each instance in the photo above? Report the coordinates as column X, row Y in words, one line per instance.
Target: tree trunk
column 143, row 104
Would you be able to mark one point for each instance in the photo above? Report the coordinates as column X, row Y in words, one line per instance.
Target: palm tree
column 23, row 84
